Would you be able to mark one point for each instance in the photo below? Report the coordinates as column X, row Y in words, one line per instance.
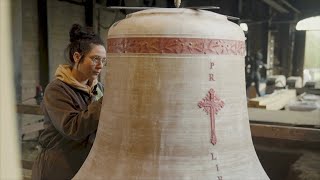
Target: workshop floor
column 30, row 151
column 279, row 164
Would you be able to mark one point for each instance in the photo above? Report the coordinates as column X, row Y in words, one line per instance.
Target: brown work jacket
column 71, row 117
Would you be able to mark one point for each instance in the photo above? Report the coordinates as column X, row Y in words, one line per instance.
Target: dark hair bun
column 77, row 32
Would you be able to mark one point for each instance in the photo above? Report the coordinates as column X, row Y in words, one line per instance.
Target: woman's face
column 93, row 62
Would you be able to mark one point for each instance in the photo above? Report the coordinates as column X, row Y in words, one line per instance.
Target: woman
column 71, row 107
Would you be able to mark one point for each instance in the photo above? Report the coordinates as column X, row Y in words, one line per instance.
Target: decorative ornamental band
column 169, row 45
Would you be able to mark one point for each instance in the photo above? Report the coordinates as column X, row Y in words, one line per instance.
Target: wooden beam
column 32, row 128
column 290, row 6
column 27, row 164
column 275, row 101
column 29, row 109
column 284, row 117
column 74, row 2
column 311, row 135
column 257, row 130
column 276, row 6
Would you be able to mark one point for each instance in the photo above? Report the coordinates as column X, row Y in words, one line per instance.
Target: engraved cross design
column 211, row 104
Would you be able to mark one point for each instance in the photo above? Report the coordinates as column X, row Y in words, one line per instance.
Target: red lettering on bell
column 211, row 65
column 211, row 78
column 213, row 157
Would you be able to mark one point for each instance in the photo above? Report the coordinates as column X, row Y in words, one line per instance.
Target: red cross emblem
column 211, row 104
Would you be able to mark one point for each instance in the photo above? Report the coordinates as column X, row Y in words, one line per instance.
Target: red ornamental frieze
column 170, row 45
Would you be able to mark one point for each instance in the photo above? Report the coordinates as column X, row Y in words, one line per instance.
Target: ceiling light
column 244, row 26
column 309, row 24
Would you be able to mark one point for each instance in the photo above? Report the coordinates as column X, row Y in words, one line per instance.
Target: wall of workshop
column 25, row 25
column 61, row 16
column 59, row 23
column 30, row 50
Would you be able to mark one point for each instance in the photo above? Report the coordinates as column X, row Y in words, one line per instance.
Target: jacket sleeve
column 66, row 117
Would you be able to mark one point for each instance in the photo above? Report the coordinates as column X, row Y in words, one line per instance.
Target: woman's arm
column 65, row 115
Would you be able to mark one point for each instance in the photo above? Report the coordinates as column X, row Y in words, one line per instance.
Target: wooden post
column 16, row 25
column 9, row 148
column 43, row 43
column 90, row 13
